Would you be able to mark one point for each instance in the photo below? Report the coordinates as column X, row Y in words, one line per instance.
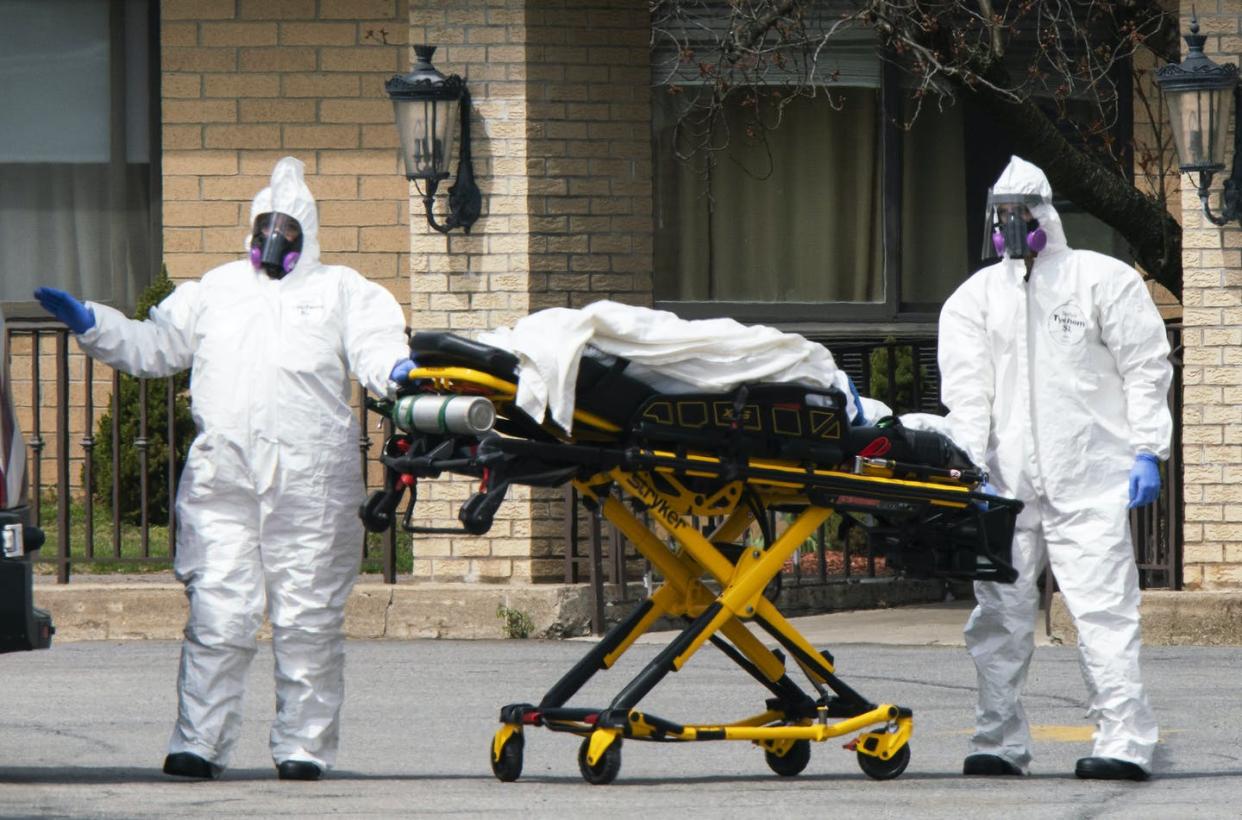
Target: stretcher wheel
column 509, row 767
column 373, row 513
column 605, row 769
column 878, row 769
column 793, row 762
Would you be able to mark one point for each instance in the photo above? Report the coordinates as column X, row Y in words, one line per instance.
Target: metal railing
column 76, row 504
column 901, row 373
column 1157, row 528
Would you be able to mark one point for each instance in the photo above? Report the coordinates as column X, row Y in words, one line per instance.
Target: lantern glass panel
column 1201, row 119
column 428, row 130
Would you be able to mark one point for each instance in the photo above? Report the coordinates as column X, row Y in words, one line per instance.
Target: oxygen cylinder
column 464, row 415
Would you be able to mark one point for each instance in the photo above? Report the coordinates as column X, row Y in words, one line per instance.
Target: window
column 764, row 220
column 79, row 190
column 805, row 216
column 840, row 214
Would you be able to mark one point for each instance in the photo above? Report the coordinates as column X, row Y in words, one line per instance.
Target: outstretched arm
column 160, row 346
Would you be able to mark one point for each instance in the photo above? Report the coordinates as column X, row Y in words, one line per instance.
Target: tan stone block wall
column 246, row 82
column 561, row 128
column 590, row 147
column 1212, row 393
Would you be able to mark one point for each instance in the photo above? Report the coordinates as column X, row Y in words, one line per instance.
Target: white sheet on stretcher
column 710, row 355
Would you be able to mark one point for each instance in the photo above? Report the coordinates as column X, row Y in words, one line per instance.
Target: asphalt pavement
column 85, row 725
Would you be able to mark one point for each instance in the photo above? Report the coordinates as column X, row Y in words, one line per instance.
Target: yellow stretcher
column 729, row 458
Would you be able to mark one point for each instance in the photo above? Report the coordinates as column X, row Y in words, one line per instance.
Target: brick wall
column 243, row 83
column 1212, row 414
column 246, row 82
column 561, row 140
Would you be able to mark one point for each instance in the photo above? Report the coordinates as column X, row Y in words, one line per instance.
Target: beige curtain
column 934, row 256
column 75, row 159
column 791, row 216
column 60, row 225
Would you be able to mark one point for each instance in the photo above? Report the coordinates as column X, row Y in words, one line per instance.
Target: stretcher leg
column 673, row 597
column 793, row 719
column 617, row 638
column 736, row 599
column 681, row 593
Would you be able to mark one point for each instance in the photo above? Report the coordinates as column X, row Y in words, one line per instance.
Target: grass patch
column 108, row 558
column 377, row 542
column 130, row 558
column 517, row 624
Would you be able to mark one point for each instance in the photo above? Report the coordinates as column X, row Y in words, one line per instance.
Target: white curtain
column 75, row 169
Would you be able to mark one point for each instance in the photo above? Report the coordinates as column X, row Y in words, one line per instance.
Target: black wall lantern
column 1202, row 97
column 429, row 107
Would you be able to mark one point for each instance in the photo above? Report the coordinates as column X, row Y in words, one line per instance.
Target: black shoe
column 1109, row 768
column 989, row 766
column 298, row 770
column 187, row 764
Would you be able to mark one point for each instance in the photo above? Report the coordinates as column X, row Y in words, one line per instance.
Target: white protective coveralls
column 1056, row 384
column 664, row 350
column 267, row 508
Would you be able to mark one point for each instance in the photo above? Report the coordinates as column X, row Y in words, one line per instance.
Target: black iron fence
column 1157, row 529
column 60, row 418
column 84, row 529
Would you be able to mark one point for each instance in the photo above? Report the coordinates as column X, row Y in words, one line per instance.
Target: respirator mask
column 1009, row 229
column 275, row 244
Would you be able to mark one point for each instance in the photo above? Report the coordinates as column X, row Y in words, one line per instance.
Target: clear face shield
column 1009, row 229
column 275, row 244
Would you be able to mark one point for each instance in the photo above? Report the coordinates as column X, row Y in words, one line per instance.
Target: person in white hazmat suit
column 267, row 507
column 1055, row 371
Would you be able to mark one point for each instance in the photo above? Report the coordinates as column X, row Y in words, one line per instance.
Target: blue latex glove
column 986, row 489
column 1144, row 480
column 66, row 308
column 401, row 370
column 860, row 418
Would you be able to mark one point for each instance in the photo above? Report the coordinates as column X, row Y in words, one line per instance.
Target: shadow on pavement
column 72, row 775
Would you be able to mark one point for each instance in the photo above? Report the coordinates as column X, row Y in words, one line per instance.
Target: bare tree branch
column 750, row 35
column 1060, row 109
column 998, row 45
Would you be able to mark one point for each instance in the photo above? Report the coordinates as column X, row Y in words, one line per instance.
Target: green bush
column 130, row 486
column 903, row 400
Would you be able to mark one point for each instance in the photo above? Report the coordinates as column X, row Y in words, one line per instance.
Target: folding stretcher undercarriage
column 680, row 458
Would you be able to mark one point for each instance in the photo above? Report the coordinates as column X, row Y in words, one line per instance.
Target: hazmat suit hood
column 287, row 194
column 1022, row 177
